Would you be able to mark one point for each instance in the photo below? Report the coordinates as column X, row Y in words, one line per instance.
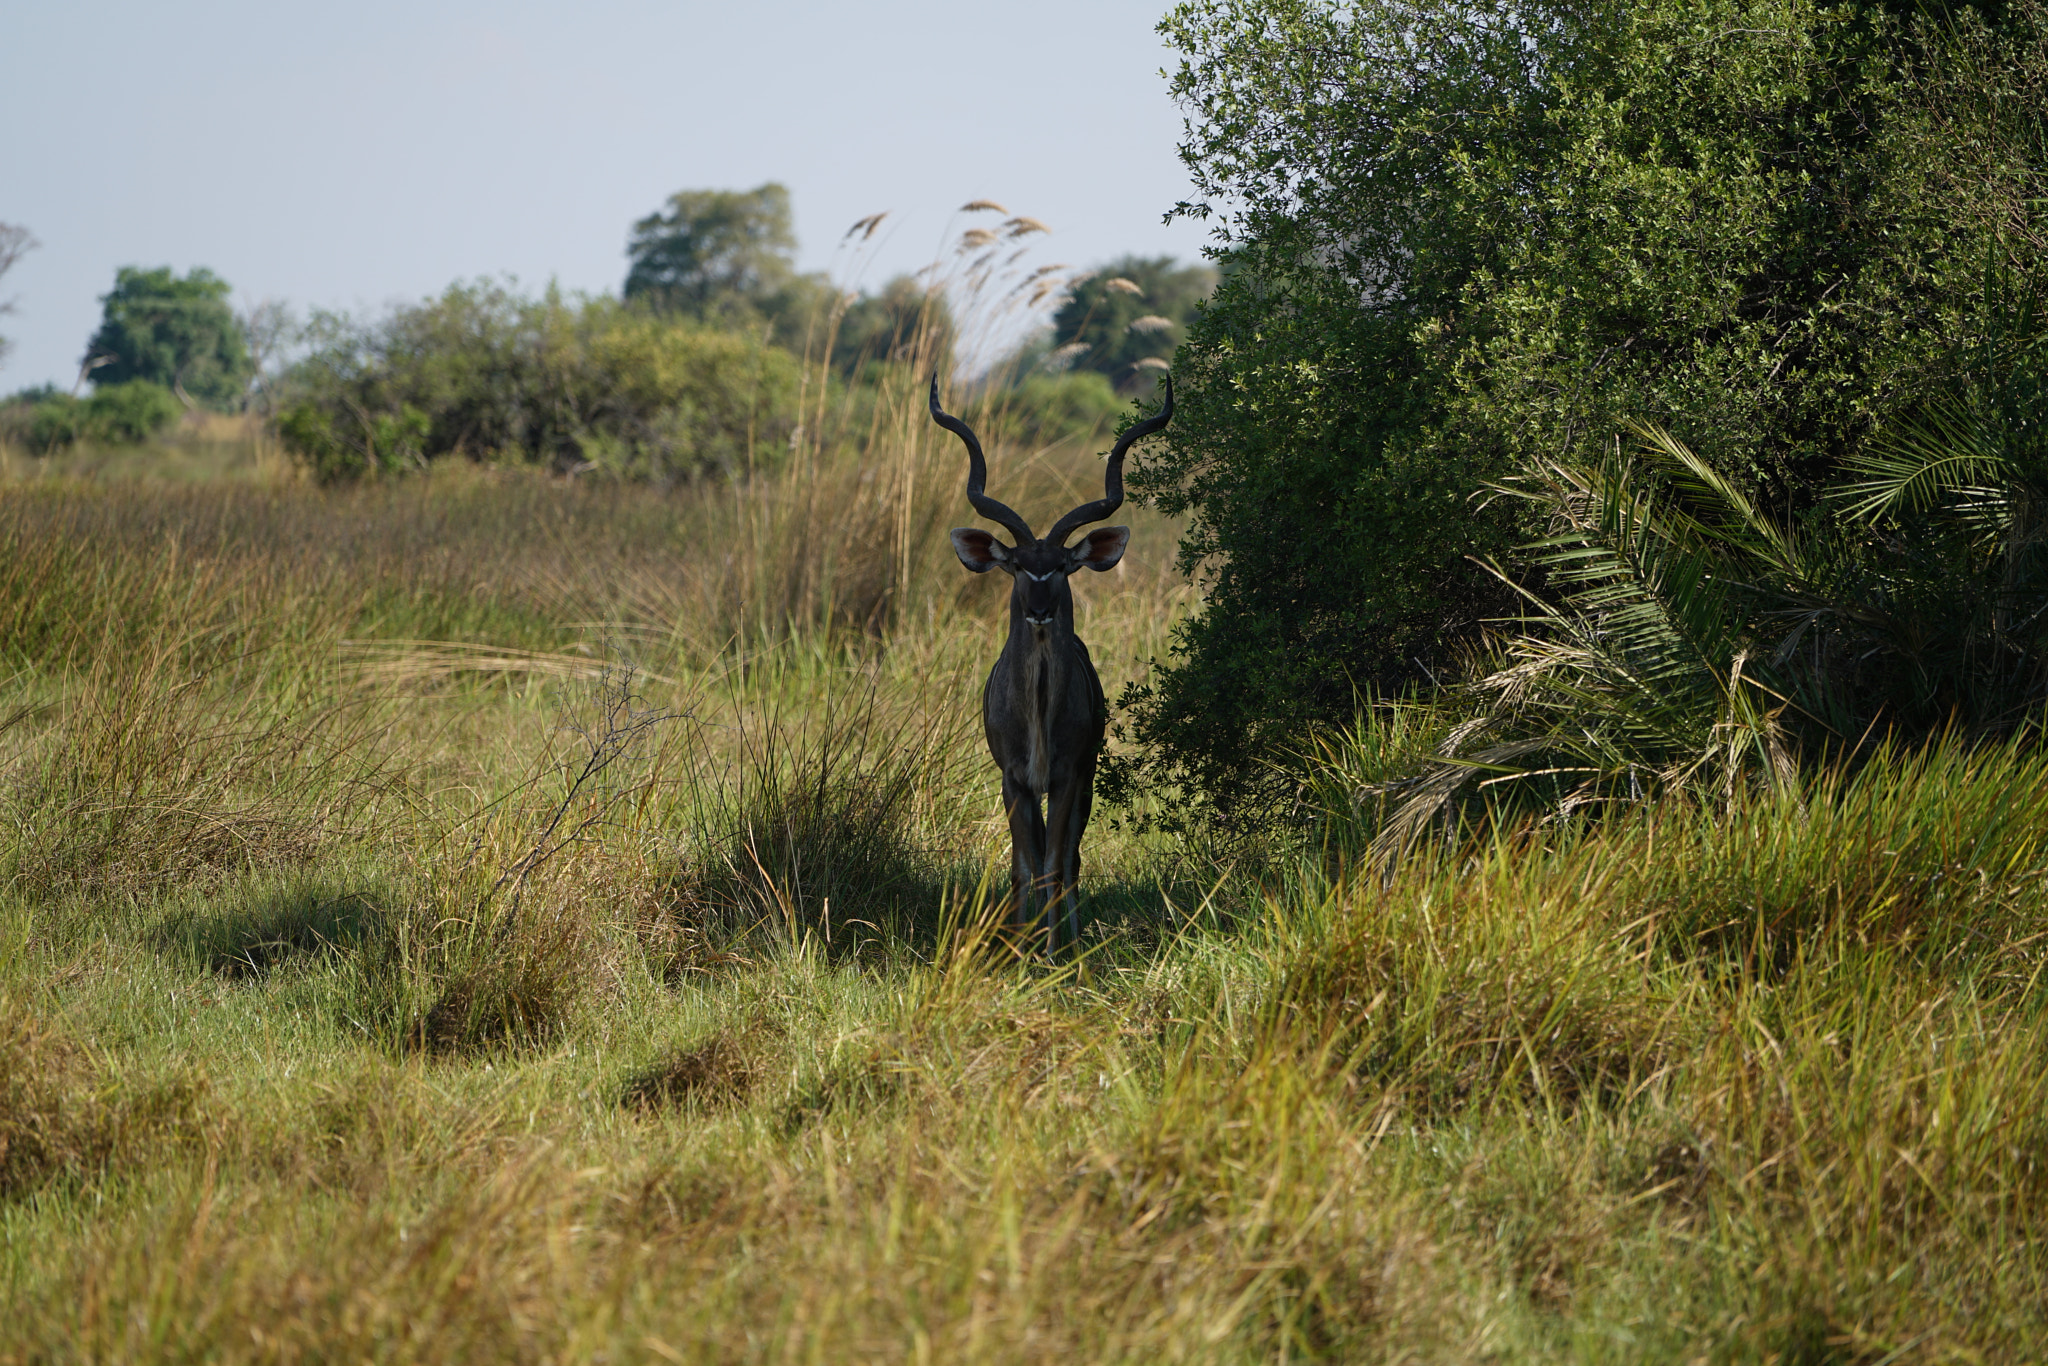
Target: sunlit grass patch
column 352, row 1008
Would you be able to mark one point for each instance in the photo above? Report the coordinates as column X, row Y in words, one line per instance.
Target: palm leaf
column 1919, row 464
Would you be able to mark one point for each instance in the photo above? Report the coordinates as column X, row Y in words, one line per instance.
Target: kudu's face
column 1039, row 569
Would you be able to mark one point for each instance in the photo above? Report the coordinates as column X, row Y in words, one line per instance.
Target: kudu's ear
column 1101, row 549
column 978, row 550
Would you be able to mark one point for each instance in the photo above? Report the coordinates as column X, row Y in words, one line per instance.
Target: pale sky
column 353, row 156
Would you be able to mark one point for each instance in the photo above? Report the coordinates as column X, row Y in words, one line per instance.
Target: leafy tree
column 1463, row 239
column 728, row 257
column 1127, row 317
column 179, row 333
column 713, row 251
column 14, row 241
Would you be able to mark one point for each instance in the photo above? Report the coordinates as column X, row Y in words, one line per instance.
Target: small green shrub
column 820, row 833
column 382, row 443
column 125, row 414
column 131, row 413
column 52, row 422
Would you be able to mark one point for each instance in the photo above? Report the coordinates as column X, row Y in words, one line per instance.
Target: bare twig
column 622, row 723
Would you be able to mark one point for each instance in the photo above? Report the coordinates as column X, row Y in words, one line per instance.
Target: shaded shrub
column 258, row 931
column 518, row 995
column 717, row 1071
column 820, row 832
column 441, row 968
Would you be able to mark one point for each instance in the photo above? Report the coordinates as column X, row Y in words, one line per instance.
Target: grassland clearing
column 351, row 1007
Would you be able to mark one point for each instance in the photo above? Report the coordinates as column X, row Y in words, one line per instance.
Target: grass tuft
column 716, row 1072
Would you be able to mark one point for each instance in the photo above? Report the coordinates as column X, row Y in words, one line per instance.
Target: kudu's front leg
column 1027, row 855
column 1066, row 821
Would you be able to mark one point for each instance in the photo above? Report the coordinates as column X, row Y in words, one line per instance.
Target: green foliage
column 1041, row 409
column 1124, row 320
column 906, row 320
column 487, row 373
column 1462, row 241
column 130, row 413
column 728, row 257
column 46, row 419
column 375, row 443
column 1693, row 645
column 178, row 333
column 1331, row 533
column 712, row 248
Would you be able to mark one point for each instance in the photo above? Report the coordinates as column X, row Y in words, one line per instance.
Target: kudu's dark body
column 1042, row 708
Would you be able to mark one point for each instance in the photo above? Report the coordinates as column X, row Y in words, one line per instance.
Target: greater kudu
column 1042, row 707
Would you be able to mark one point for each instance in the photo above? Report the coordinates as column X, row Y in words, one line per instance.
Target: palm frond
column 1916, row 465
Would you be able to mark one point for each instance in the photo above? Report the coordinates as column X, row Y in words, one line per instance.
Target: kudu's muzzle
column 1041, row 596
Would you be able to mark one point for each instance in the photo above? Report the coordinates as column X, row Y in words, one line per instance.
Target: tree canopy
column 713, row 251
column 1127, row 313
column 179, row 333
column 1459, row 239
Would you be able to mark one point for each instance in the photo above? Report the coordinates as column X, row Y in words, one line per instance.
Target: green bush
column 383, row 443
column 1130, row 311
column 117, row 414
column 131, row 413
column 1043, row 408
column 1462, row 241
column 48, row 422
column 485, row 373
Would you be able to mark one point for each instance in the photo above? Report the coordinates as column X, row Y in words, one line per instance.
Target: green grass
column 349, row 1010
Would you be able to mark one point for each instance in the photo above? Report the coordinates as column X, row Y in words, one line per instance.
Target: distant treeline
column 703, row 363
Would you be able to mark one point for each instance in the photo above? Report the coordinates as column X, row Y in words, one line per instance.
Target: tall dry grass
column 1479, row 1108
column 383, row 974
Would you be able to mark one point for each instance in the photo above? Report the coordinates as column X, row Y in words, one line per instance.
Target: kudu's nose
column 1041, row 598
